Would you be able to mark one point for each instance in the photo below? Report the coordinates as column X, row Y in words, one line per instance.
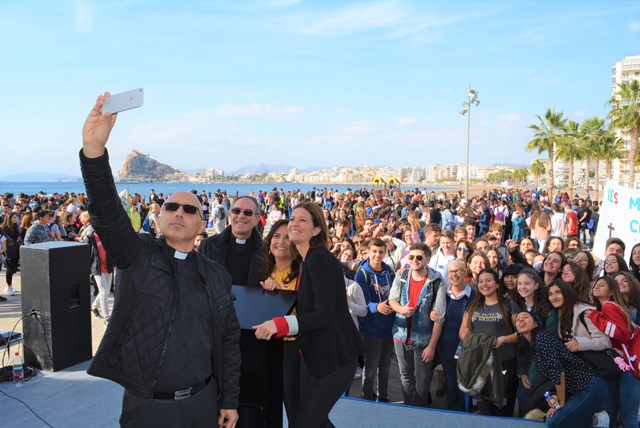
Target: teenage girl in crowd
column 552, row 266
column 576, row 277
column 612, row 317
column 491, row 314
column 577, row 332
column 477, row 263
column 585, row 260
column 630, row 290
column 578, row 392
column 634, row 261
column 613, row 264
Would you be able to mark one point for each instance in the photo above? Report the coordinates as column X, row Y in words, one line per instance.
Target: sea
column 232, row 189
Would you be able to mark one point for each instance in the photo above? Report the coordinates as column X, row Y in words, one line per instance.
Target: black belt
column 183, row 393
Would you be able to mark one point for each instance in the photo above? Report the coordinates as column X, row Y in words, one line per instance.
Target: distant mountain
column 263, row 168
column 28, row 177
column 138, row 166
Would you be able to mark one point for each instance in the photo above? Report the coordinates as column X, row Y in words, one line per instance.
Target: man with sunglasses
column 415, row 335
column 173, row 338
column 238, row 246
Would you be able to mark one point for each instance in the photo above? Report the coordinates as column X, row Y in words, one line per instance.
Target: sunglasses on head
column 187, row 208
column 237, row 211
column 465, row 249
column 417, row 257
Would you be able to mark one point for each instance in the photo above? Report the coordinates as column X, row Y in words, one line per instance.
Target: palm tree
column 612, row 149
column 568, row 149
column 537, row 170
column 520, row 175
column 586, row 152
column 594, row 131
column 546, row 134
column 625, row 115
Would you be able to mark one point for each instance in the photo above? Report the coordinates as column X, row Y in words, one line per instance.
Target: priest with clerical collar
column 237, row 247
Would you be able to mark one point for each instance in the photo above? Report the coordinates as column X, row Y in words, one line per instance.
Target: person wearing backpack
column 375, row 278
column 219, row 215
column 415, row 335
column 11, row 239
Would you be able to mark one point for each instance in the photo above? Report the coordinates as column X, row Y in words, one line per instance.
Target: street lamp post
column 466, row 108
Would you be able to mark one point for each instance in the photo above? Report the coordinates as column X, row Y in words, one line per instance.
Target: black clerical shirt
column 189, row 355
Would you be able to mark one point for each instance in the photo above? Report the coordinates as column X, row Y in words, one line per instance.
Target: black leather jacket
column 134, row 343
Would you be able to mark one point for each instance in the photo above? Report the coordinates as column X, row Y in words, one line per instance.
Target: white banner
column 619, row 217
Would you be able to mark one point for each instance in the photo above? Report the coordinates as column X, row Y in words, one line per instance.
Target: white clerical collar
column 241, row 241
column 180, row 255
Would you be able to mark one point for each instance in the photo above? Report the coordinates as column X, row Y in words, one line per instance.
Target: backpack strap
column 584, row 323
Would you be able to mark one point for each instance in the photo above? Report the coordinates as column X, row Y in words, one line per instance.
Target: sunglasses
column 466, row 250
column 187, row 208
column 237, row 211
column 417, row 257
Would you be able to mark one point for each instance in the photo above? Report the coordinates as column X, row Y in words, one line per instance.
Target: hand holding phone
column 123, row 101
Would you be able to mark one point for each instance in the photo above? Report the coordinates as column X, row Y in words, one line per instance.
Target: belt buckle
column 182, row 394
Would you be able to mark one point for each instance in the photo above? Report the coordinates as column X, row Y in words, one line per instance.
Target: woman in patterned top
column 278, row 270
column 578, row 391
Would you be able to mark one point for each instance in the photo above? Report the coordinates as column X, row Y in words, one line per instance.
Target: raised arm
column 96, row 130
column 108, row 217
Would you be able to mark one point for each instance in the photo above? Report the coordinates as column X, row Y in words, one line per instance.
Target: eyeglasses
column 465, row 249
column 187, row 208
column 237, row 211
column 417, row 257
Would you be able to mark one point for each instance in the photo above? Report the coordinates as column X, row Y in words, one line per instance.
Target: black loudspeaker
column 55, row 283
column 261, row 371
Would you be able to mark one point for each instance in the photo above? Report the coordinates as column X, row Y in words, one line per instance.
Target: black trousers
column 200, row 410
column 511, row 389
column 318, row 395
column 291, row 377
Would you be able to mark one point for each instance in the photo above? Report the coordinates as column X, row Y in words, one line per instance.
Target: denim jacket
column 421, row 326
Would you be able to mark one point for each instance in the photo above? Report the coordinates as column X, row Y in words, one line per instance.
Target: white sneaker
column 9, row 291
column 358, row 373
column 601, row 419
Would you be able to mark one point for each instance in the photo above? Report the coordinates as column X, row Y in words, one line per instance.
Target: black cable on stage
column 6, row 350
column 28, row 407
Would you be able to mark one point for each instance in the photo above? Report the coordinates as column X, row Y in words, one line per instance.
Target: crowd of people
column 434, row 278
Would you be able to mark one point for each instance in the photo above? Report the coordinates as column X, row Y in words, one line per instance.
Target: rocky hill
column 141, row 167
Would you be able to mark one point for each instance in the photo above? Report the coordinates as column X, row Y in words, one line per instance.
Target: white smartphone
column 123, row 101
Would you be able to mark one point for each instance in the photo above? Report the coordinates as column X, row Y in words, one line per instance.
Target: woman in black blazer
column 328, row 339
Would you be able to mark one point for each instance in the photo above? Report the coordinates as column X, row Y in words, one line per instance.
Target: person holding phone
column 173, row 338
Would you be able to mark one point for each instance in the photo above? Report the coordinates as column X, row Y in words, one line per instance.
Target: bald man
column 173, row 338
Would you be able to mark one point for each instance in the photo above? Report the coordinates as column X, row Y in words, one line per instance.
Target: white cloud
column 357, row 18
column 257, row 110
column 546, row 82
column 360, row 127
column 394, row 18
column 406, row 121
column 634, row 26
column 509, row 117
column 277, row 4
column 84, row 17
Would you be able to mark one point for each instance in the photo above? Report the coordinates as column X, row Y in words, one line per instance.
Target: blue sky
column 327, row 83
